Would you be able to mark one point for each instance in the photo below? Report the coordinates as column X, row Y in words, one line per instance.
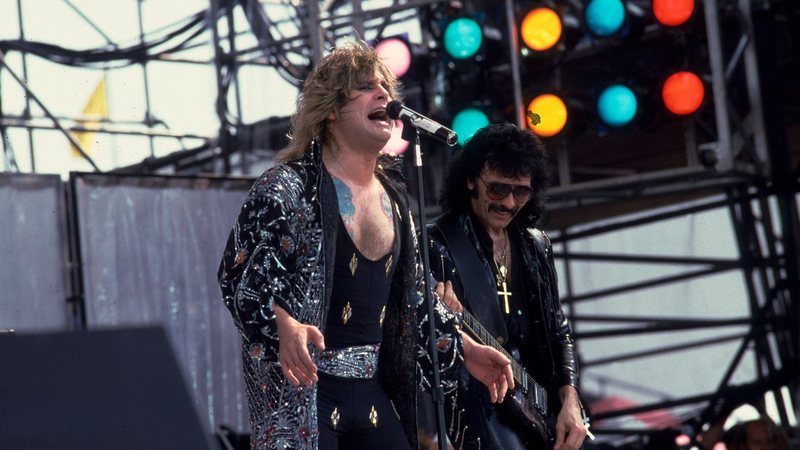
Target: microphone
column 396, row 111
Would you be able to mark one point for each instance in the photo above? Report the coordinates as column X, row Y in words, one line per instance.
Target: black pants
column 354, row 401
column 488, row 425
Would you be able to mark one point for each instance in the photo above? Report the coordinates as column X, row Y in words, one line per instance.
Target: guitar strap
column 476, row 277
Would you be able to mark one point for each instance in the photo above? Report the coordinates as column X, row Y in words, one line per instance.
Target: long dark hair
column 508, row 150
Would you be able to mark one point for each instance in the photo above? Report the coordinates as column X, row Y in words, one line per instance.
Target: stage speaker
column 114, row 389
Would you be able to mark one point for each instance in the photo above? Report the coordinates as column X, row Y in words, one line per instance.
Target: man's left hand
column 448, row 296
column 570, row 429
column 488, row 366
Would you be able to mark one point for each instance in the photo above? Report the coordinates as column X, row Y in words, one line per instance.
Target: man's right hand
column 488, row 366
column 293, row 336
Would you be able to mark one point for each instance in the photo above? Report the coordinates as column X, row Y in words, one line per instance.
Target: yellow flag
column 96, row 108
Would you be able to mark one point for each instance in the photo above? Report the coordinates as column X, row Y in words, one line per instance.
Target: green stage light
column 617, row 105
column 604, row 17
column 462, row 38
column 467, row 122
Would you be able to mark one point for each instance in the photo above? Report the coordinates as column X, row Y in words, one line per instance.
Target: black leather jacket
column 540, row 281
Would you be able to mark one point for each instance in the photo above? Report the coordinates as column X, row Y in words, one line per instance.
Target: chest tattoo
column 368, row 218
column 386, row 204
column 346, row 207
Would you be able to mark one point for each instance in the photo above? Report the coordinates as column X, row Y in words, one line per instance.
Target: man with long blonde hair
column 323, row 279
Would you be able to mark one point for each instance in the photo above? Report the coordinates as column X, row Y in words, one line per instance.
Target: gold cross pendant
column 505, row 293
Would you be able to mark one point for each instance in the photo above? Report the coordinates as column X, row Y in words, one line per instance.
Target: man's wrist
column 281, row 316
column 568, row 392
column 467, row 343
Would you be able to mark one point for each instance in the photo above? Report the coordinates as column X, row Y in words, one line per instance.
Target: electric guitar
column 527, row 403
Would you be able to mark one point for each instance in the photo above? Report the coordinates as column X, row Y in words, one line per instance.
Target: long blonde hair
column 327, row 89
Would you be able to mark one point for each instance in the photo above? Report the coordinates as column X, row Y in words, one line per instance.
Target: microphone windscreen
column 393, row 109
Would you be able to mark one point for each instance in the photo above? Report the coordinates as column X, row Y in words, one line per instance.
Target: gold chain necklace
column 504, row 255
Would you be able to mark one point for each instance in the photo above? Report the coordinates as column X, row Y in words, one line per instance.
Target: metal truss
column 149, row 126
column 763, row 205
column 767, row 264
column 745, row 177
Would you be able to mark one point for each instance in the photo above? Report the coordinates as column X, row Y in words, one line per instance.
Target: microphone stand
column 436, row 385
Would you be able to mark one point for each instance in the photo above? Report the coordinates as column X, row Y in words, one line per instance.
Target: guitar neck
column 482, row 335
column 533, row 391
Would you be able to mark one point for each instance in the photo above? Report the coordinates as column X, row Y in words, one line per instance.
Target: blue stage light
column 617, row 105
column 604, row 17
column 467, row 122
column 462, row 38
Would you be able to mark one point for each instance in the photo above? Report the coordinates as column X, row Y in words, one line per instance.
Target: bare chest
column 368, row 219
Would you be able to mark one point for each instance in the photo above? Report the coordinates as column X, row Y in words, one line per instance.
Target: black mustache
column 503, row 209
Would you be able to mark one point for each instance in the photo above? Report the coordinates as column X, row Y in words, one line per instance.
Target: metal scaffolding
column 745, row 166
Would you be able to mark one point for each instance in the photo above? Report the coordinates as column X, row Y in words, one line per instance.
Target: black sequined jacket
column 540, row 278
column 281, row 250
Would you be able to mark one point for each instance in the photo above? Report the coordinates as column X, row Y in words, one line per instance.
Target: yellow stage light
column 553, row 113
column 541, row 29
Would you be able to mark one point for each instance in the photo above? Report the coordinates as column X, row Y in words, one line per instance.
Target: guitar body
column 534, row 425
column 534, row 429
column 526, row 411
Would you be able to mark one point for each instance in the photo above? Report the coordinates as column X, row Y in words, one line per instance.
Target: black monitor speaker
column 113, row 389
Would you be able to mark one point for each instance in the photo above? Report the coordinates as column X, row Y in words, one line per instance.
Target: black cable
column 95, row 58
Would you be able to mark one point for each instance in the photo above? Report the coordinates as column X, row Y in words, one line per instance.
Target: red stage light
column 683, row 93
column 673, row 12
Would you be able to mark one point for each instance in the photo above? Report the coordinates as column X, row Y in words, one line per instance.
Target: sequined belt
column 360, row 361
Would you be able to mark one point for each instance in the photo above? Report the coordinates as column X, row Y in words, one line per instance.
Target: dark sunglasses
column 499, row 191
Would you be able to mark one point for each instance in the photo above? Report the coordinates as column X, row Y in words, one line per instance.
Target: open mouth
column 378, row 114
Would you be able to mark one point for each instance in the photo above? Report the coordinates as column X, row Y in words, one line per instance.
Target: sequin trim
column 351, row 362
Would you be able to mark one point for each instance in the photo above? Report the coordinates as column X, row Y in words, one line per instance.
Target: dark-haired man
column 502, row 270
